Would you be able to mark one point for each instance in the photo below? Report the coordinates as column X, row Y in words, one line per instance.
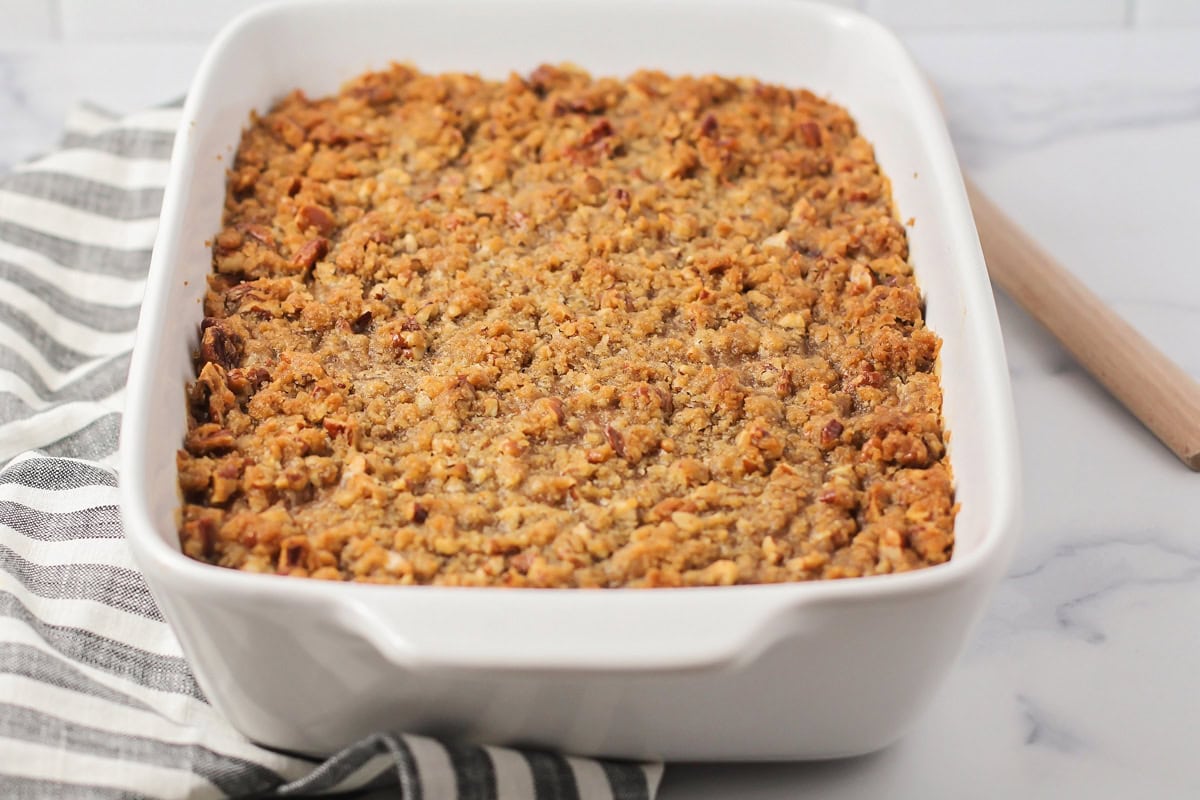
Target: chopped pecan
column 419, row 513
column 615, row 440
column 310, row 253
column 811, row 133
column 209, row 397
column 326, row 133
column 784, row 387
column 209, row 438
column 762, row 440
column 199, row 531
column 243, row 181
column 375, row 94
column 870, row 377
column 219, row 344
column 362, row 323
column 248, row 380
column 861, row 279
column 831, row 433
column 197, row 396
column 335, row 426
column 523, row 561
column 230, row 468
column 683, row 162
column 260, row 233
column 195, row 474
column 580, row 104
column 315, row 217
column 544, row 78
column 293, row 553
column 227, row 479
column 409, row 343
column 601, row 129
column 237, row 295
column 666, row 401
column 709, row 127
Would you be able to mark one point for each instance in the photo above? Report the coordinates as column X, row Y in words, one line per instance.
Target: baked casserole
column 563, row 331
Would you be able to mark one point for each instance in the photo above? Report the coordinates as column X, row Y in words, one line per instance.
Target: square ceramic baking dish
column 750, row 672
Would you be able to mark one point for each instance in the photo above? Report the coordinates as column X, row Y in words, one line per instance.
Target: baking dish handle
column 572, row 630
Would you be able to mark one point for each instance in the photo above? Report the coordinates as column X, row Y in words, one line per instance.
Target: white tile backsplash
column 1167, row 12
column 27, row 21
column 927, row 14
column 198, row 20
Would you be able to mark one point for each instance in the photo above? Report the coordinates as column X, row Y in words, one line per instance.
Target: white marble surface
column 1081, row 681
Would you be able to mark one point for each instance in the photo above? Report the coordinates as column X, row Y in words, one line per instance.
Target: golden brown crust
column 563, row 331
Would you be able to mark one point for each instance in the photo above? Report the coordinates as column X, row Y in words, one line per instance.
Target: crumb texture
column 558, row 331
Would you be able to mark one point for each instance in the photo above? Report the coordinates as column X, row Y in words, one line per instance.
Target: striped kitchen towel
column 96, row 699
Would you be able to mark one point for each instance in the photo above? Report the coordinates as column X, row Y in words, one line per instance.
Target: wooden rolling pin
column 1160, row 394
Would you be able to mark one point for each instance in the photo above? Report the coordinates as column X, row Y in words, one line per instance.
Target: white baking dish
column 760, row 672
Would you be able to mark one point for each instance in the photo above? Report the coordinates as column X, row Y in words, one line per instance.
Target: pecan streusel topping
column 560, row 331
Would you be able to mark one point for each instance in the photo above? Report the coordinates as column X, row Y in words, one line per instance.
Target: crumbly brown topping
column 563, row 331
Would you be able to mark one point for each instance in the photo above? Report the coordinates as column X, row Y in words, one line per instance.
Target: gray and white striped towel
column 96, row 699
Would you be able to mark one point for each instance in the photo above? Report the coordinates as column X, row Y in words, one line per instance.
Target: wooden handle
column 1159, row 393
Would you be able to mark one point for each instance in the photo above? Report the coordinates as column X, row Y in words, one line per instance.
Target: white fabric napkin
column 96, row 699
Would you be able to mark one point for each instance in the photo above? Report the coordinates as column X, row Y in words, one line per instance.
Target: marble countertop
column 1081, row 679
